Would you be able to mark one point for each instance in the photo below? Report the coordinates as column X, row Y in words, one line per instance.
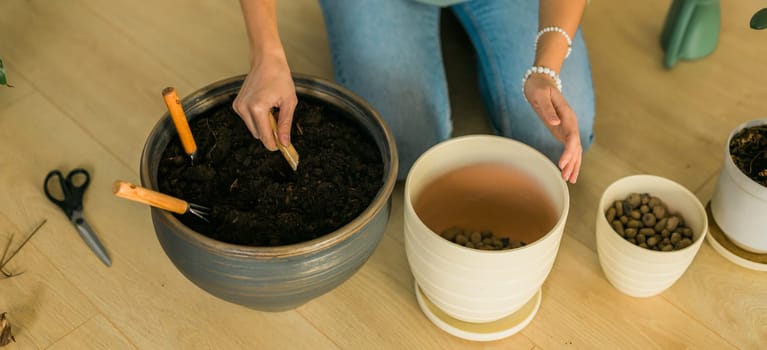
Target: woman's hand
column 542, row 94
column 268, row 84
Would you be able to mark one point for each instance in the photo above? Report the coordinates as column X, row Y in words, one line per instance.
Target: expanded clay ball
column 483, row 240
column 645, row 221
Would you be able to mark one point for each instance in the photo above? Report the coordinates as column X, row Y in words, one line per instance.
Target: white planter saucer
column 489, row 331
column 729, row 250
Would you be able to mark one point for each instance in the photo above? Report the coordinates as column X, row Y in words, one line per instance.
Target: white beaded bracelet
column 542, row 70
column 558, row 30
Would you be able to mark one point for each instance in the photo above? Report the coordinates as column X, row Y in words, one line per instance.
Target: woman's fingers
column 564, row 160
column 249, row 122
column 254, row 112
column 567, row 169
column 568, row 133
column 577, row 170
column 285, row 119
column 573, row 169
column 571, row 157
column 269, row 84
column 265, row 128
column 254, row 115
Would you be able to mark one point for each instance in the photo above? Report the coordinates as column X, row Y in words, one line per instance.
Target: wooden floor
column 88, row 76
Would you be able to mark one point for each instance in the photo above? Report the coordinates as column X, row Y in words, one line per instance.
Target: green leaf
column 759, row 21
column 3, row 81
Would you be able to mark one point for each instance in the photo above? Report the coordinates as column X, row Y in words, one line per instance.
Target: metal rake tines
column 200, row 211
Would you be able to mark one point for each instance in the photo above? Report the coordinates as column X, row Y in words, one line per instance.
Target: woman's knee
column 388, row 53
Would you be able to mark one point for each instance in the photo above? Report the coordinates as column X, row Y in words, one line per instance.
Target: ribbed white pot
column 739, row 204
column 637, row 271
column 479, row 285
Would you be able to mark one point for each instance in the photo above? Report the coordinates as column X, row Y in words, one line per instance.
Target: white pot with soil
column 739, row 203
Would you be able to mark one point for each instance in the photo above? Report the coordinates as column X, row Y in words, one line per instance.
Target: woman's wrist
column 557, row 31
column 543, row 71
column 552, row 46
column 551, row 52
column 259, row 55
column 263, row 35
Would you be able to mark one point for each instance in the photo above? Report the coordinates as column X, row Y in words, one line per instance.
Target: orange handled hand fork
column 127, row 190
column 179, row 120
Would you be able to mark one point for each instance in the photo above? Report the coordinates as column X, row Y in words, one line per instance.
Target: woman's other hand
column 547, row 101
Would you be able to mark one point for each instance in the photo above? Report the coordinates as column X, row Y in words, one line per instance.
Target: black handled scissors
column 73, row 187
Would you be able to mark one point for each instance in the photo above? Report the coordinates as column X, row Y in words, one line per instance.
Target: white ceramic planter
column 739, row 204
column 478, row 285
column 637, row 271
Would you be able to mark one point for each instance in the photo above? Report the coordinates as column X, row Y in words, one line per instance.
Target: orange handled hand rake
column 127, row 190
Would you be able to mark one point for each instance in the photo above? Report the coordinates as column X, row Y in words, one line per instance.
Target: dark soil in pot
column 748, row 149
column 257, row 199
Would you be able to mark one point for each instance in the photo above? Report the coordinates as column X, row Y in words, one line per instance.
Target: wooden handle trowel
column 288, row 151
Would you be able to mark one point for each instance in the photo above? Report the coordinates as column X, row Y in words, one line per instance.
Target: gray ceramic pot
column 273, row 278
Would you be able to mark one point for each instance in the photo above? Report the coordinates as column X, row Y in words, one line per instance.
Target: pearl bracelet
column 541, row 70
column 558, row 30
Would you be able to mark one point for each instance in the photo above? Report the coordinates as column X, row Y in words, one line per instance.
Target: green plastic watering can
column 759, row 21
column 691, row 30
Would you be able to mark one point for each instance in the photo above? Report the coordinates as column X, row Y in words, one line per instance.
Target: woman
column 388, row 52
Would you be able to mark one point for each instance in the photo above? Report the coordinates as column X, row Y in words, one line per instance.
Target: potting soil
column 257, row 199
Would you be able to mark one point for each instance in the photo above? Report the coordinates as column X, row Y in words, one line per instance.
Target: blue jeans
column 388, row 52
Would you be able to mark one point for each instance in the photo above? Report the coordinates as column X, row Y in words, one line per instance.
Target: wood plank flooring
column 88, row 76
